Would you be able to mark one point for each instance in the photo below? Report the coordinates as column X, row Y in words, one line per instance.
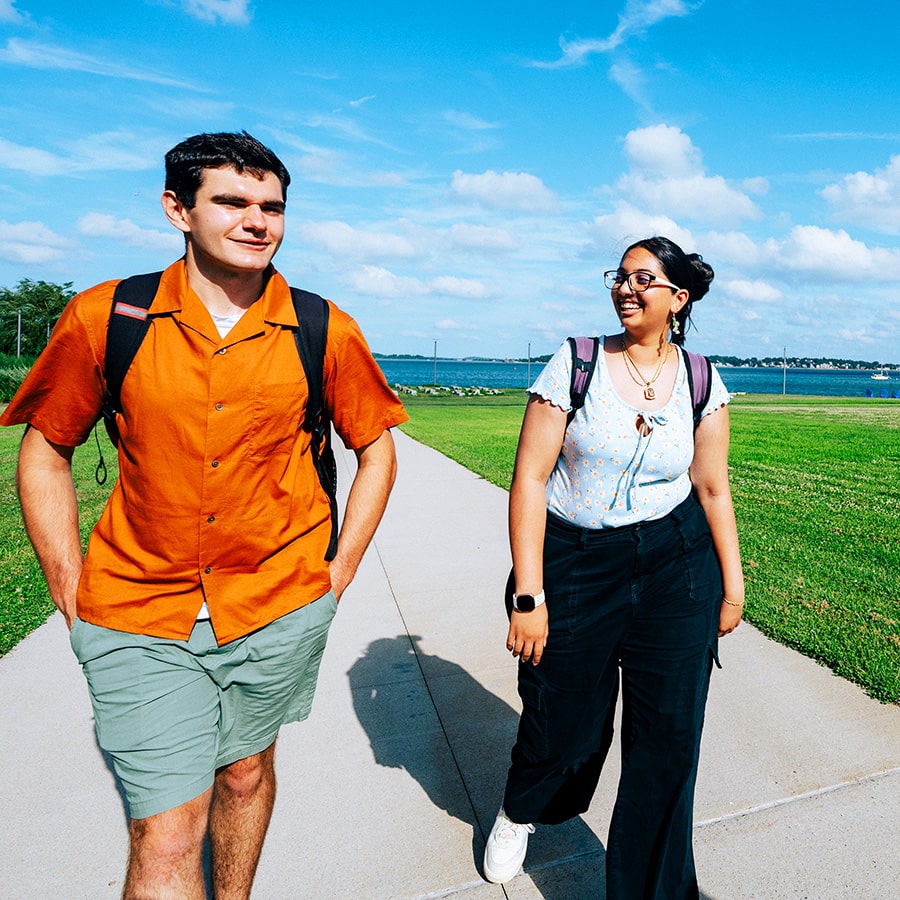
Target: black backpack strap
column 699, row 376
column 584, row 360
column 311, row 336
column 129, row 321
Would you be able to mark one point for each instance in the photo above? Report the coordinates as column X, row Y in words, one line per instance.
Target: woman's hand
column 729, row 617
column 528, row 634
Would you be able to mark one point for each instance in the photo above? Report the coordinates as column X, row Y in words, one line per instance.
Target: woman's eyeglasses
column 637, row 281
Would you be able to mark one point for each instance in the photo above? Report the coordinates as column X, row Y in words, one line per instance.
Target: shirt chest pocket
column 277, row 412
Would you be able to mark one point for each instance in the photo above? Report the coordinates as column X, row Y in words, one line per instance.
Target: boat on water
column 880, row 376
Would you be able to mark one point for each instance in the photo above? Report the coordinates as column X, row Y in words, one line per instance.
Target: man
column 200, row 610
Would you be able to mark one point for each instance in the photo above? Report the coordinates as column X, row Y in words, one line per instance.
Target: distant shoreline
column 837, row 365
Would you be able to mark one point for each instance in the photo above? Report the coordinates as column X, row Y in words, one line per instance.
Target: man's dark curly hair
column 225, row 149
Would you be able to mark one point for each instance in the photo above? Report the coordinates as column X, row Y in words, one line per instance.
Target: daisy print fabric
column 609, row 474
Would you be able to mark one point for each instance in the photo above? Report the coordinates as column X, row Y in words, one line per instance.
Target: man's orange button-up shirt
column 217, row 498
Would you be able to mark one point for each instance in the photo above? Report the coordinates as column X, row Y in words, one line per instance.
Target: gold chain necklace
column 637, row 377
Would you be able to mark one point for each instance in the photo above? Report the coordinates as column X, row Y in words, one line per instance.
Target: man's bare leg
column 243, row 798
column 165, row 860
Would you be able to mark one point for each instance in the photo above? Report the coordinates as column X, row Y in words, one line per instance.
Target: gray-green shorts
column 169, row 713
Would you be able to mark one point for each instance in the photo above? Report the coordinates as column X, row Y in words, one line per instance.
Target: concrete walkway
column 390, row 787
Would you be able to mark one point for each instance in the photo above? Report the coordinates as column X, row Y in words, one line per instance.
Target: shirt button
column 222, row 351
column 211, row 519
column 208, row 569
column 215, row 464
column 219, row 406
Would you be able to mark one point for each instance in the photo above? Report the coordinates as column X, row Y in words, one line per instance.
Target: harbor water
column 495, row 374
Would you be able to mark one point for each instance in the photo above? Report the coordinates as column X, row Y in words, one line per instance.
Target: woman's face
column 649, row 310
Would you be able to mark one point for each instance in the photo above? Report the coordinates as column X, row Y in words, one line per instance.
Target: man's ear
column 175, row 211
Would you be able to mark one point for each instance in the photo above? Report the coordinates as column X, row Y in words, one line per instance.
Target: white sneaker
column 505, row 850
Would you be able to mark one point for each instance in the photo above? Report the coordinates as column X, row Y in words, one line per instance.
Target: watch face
column 525, row 602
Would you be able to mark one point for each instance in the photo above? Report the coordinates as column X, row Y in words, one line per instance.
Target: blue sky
column 464, row 172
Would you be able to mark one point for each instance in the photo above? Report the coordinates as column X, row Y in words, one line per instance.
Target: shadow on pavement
column 565, row 862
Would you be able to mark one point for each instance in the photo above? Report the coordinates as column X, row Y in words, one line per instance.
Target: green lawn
column 816, row 485
column 24, row 601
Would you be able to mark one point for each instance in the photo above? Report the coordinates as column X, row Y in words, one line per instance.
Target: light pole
column 529, row 365
column 434, row 367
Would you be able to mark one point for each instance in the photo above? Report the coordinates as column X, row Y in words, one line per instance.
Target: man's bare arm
column 50, row 509
column 365, row 507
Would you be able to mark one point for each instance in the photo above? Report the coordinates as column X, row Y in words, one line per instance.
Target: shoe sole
column 498, row 877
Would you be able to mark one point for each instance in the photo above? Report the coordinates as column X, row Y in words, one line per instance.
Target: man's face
column 236, row 224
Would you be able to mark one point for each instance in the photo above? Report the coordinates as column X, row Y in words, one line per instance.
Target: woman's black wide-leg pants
column 644, row 600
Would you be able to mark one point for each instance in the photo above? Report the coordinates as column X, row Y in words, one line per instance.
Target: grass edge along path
column 24, row 600
column 816, row 485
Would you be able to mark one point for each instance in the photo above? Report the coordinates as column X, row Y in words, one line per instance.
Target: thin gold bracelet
column 732, row 602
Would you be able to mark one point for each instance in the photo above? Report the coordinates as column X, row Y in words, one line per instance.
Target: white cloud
column 757, row 185
column 43, row 56
column 630, row 78
column 101, row 225
column 757, row 291
column 31, row 160
column 362, row 100
column 553, row 330
column 635, row 18
column 106, row 152
column 868, row 199
column 231, row 12
column 341, row 239
column 699, row 198
column 467, row 121
column 343, row 127
column 576, row 292
column 667, row 177
column 662, row 150
column 9, row 13
column 732, row 247
column 831, row 255
column 119, row 151
column 612, row 233
column 330, row 167
column 30, row 243
column 513, row 191
column 451, row 285
column 380, row 282
column 482, row 238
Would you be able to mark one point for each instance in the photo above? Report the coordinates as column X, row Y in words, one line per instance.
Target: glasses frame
column 618, row 277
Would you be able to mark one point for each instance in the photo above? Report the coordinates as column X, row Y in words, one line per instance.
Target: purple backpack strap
column 584, row 361
column 699, row 373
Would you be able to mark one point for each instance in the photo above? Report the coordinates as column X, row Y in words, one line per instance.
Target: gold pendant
column 649, row 393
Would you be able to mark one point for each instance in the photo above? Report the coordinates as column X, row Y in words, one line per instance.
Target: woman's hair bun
column 702, row 276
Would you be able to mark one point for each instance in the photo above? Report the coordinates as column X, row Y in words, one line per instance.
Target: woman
column 622, row 521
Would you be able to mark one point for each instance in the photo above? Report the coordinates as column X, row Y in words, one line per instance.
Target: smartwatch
column 527, row 602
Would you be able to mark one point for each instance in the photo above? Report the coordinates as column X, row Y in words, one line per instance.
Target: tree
column 41, row 304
